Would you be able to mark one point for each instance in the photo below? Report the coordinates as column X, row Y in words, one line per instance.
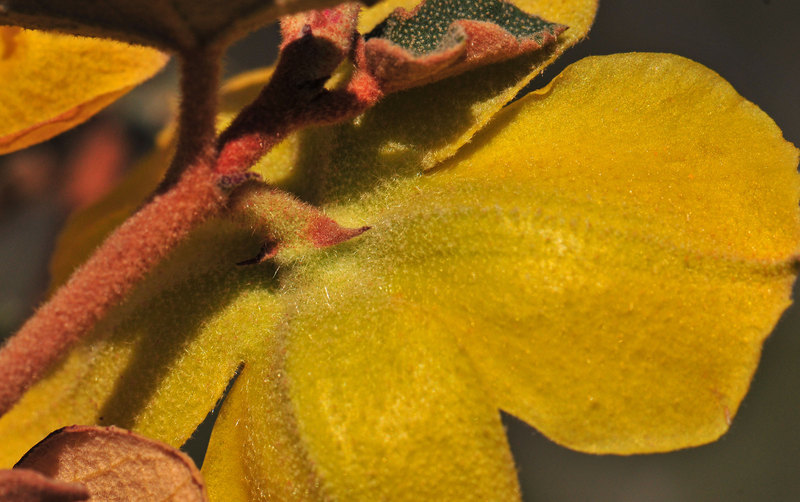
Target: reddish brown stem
column 133, row 249
column 287, row 104
column 197, row 113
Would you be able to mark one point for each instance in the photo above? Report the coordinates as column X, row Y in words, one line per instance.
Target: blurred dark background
column 754, row 44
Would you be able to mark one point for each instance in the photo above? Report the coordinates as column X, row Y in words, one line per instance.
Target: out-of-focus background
column 754, row 44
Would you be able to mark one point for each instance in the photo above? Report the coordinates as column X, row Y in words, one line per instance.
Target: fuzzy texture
column 194, row 188
column 433, row 122
column 359, row 357
column 116, row 465
column 485, row 93
column 197, row 115
column 313, row 46
column 132, row 250
column 284, row 221
column 53, row 82
column 174, row 25
column 104, row 280
column 26, row 485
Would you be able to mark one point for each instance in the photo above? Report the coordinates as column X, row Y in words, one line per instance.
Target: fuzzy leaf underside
column 511, row 256
column 424, row 126
column 562, row 297
column 569, row 279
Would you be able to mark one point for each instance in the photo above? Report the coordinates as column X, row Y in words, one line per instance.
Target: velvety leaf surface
column 359, row 401
column 86, row 229
column 115, row 464
column 616, row 246
column 113, row 379
column 603, row 261
column 53, row 82
column 172, row 24
column 147, row 368
column 26, row 485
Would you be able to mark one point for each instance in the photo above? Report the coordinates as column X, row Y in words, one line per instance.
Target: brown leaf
column 173, row 24
column 115, row 464
column 25, row 485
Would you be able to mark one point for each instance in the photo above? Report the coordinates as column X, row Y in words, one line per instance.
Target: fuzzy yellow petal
column 360, row 399
column 611, row 252
column 388, row 406
column 53, row 82
column 255, row 452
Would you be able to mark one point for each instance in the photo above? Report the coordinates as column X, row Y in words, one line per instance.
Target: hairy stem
column 197, row 114
column 188, row 196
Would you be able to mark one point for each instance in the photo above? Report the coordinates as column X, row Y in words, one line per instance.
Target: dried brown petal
column 115, row 464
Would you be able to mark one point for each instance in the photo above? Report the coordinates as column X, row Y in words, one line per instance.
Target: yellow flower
column 603, row 260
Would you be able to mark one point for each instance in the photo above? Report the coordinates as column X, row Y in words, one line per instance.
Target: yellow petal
column 388, row 407
column 419, row 128
column 53, row 82
column 369, row 404
column 255, row 451
column 611, row 252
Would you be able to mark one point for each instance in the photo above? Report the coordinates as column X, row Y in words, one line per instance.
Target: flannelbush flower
column 602, row 258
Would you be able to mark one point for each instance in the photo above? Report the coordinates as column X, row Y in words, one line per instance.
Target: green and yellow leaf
column 441, row 38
